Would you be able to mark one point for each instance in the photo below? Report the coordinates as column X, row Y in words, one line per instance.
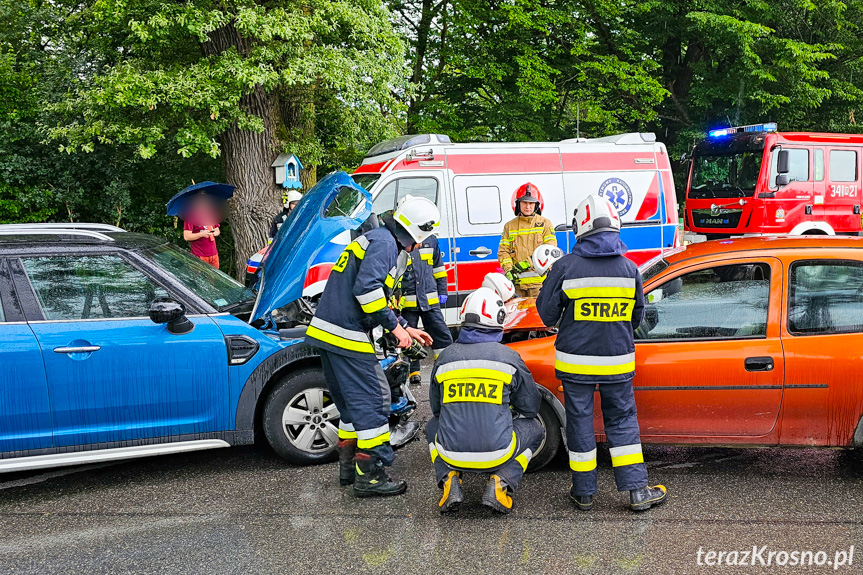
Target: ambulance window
column 825, row 297
column 819, row 165
column 798, row 163
column 483, row 205
column 418, row 187
column 386, row 199
column 843, row 166
column 724, row 302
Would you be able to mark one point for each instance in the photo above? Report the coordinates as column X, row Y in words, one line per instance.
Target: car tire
column 300, row 419
column 551, row 444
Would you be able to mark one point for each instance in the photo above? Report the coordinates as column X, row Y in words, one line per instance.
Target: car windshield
column 213, row 286
column 725, row 175
column 652, row 267
column 366, row 180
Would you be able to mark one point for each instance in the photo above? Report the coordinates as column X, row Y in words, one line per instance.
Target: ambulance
column 474, row 187
column 755, row 180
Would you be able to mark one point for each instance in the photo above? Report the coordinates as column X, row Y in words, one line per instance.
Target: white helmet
column 593, row 215
column 500, row 284
column 291, row 196
column 544, row 256
column 418, row 216
column 483, row 308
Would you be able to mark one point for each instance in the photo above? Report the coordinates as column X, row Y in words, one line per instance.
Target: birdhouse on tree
column 288, row 168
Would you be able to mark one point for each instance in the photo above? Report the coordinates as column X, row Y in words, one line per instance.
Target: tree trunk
column 247, row 156
column 297, row 111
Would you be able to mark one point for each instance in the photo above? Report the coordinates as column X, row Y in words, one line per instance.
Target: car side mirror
column 171, row 312
column 781, row 180
column 783, row 162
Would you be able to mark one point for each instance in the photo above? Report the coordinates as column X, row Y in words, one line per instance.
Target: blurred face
column 527, row 208
column 412, row 247
column 292, row 205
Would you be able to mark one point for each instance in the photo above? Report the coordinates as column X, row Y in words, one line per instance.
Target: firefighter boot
column 415, row 378
column 497, row 495
column 371, row 479
column 453, row 495
column 347, row 449
column 582, row 502
column 646, row 497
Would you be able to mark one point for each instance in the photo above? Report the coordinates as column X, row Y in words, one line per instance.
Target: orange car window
column 825, row 297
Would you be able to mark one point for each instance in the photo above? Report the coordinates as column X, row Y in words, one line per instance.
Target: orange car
column 752, row 341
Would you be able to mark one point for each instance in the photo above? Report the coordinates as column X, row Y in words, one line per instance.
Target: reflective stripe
column 390, row 280
column 599, row 287
column 346, row 426
column 506, row 261
column 405, row 221
column 373, row 301
column 439, row 272
column 338, row 336
column 505, row 242
column 343, row 434
column 363, row 241
column 408, row 301
column 357, row 249
column 432, row 298
column 526, row 231
column 549, row 237
column 530, row 279
column 626, row 455
column 477, row 460
column 594, row 364
column 582, row 460
column 524, row 458
column 427, row 255
column 369, row 438
column 477, row 365
column 433, row 452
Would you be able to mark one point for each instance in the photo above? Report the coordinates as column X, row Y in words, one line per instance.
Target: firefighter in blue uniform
column 353, row 303
column 596, row 296
column 477, row 388
column 423, row 293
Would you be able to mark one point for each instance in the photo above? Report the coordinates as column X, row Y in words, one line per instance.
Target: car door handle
column 80, row 349
column 480, row 251
column 758, row 364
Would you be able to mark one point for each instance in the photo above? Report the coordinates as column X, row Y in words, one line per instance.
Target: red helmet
column 527, row 193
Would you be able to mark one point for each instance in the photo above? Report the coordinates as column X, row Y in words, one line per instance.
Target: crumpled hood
column 600, row 245
column 335, row 204
column 477, row 335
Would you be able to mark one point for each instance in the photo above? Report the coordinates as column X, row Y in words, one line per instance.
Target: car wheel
column 551, row 444
column 300, row 419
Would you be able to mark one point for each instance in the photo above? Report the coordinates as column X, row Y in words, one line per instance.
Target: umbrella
column 178, row 204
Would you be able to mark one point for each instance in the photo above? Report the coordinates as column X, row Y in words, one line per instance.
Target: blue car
column 116, row 345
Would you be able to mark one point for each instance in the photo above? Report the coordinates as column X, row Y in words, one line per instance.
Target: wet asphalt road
column 245, row 511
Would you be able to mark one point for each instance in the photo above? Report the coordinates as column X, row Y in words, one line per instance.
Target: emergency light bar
column 768, row 127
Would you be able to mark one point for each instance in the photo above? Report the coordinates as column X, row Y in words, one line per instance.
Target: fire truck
column 474, row 187
column 753, row 180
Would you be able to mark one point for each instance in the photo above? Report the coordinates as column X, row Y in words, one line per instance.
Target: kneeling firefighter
column 478, row 386
column 353, row 303
column 596, row 296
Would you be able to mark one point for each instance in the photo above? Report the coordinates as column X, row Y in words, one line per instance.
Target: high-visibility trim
column 582, row 460
column 506, row 261
column 358, row 248
column 338, row 336
column 626, row 455
column 594, row 364
column 526, row 231
column 376, row 305
column 505, row 242
column 369, row 438
column 390, row 280
column 599, row 287
column 408, row 301
column 371, row 297
column 439, row 272
column 549, row 237
column 603, row 309
column 404, row 220
column 347, row 434
column 485, row 368
column 530, row 279
column 432, row 298
column 524, row 458
column 477, row 459
column 433, row 452
column 427, row 255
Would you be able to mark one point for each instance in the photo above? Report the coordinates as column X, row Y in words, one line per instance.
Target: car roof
column 121, row 240
column 762, row 243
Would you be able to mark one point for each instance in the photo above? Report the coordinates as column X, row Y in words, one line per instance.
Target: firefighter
column 477, row 388
column 520, row 237
column 353, row 303
column 424, row 291
column 289, row 202
column 596, row 295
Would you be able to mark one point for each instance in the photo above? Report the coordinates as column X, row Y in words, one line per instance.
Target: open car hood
column 334, row 205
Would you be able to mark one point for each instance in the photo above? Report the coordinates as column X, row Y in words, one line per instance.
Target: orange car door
column 823, row 339
column 709, row 358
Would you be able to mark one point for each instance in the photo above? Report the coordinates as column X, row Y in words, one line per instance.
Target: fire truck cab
column 474, row 187
column 753, row 180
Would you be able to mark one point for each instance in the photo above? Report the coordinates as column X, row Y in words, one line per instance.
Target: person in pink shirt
column 201, row 230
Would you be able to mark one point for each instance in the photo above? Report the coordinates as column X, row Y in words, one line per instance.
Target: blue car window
column 90, row 287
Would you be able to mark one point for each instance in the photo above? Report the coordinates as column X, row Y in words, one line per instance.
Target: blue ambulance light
column 768, row 127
